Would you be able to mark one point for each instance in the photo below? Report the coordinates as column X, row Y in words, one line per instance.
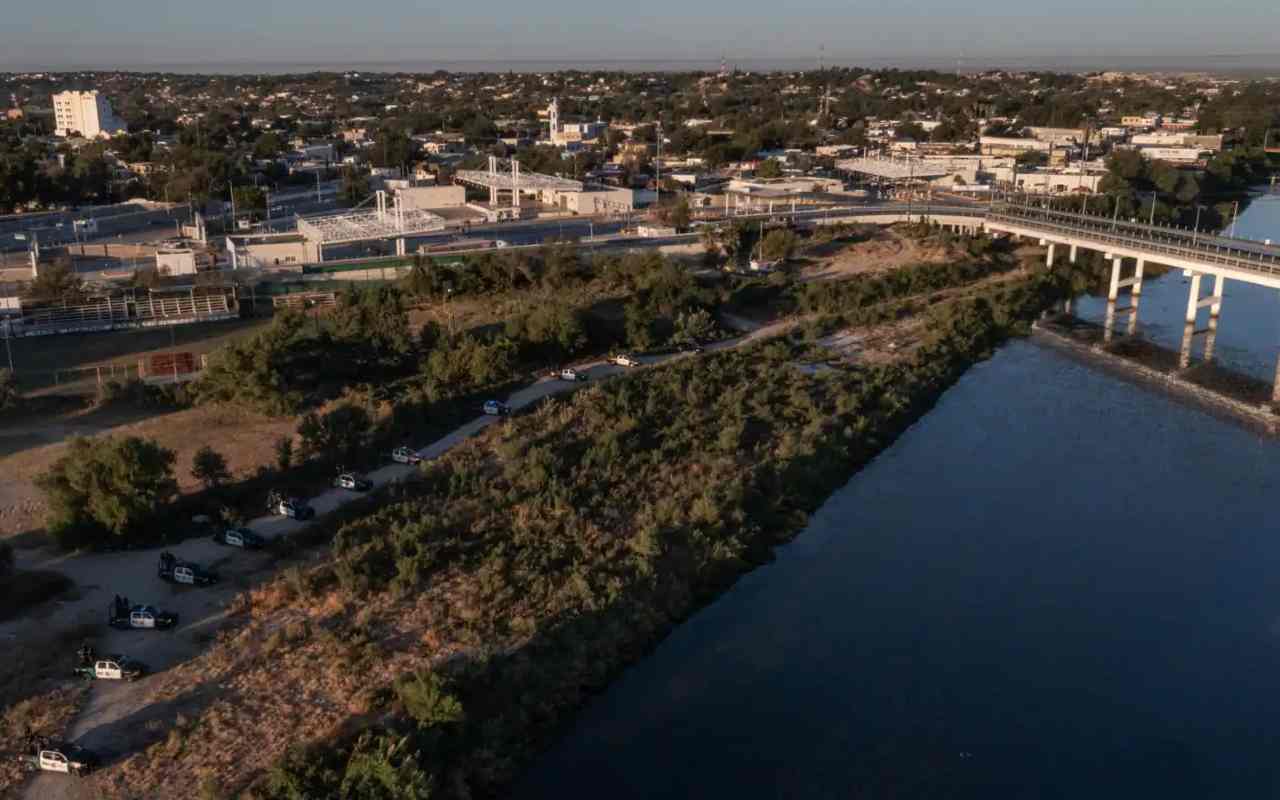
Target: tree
column 679, row 216
column 769, row 168
column 778, row 245
column 209, row 467
column 1032, row 158
column 694, row 326
column 56, row 282
column 106, row 488
column 267, row 146
column 338, row 434
column 9, row 394
column 355, row 186
column 284, row 453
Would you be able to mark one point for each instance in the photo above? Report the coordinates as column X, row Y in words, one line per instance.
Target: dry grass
column 886, row 250
column 244, row 438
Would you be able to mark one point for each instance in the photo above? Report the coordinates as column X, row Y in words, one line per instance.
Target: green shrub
column 105, row 489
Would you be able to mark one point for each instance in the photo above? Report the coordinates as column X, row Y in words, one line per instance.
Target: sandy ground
column 118, row 716
column 885, row 251
column 28, row 446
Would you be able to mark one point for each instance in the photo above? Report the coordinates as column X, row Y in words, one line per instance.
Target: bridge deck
column 1179, row 245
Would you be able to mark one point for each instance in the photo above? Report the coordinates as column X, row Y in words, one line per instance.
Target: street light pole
column 1195, row 234
column 1235, row 214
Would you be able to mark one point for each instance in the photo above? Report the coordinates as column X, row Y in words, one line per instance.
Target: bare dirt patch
column 884, row 251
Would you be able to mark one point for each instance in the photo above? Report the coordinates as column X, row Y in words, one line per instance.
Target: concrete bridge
column 1199, row 255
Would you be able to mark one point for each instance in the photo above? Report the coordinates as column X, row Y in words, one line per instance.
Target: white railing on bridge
column 1235, row 253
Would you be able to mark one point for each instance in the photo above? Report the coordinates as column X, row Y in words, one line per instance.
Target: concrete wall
column 176, row 262
column 273, row 254
column 595, row 201
column 429, row 197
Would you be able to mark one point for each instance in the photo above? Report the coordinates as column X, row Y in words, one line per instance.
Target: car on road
column 625, row 360
column 62, row 757
column 112, row 668
column 691, row 347
column 571, row 374
column 239, row 537
column 292, row 507
column 406, row 455
column 352, row 482
column 140, row 617
column 175, row 570
column 496, row 408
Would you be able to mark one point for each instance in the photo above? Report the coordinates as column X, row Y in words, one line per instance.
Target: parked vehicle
column 496, row 408
column 112, row 668
column 239, row 537
column 571, row 374
column 352, row 482
column 406, row 455
column 625, row 360
column 175, row 570
column 292, row 507
column 125, row 617
column 70, row 759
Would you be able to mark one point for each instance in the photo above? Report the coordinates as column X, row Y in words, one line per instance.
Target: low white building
column 1174, row 155
column 432, row 197
column 175, row 259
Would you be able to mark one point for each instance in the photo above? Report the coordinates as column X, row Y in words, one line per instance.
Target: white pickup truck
column 68, row 759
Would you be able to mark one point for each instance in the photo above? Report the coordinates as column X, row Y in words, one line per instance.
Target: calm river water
column 1056, row 585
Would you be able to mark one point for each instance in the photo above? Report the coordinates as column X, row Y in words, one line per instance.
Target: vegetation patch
column 456, row 627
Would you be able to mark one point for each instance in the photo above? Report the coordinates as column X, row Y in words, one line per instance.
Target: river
column 1058, row 584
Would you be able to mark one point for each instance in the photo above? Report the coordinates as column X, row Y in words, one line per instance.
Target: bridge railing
column 1250, row 256
column 1139, row 230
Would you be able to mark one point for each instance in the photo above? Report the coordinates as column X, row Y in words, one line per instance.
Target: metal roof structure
column 896, row 169
column 505, row 175
column 379, row 223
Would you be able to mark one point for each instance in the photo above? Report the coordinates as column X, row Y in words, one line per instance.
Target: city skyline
column 396, row 34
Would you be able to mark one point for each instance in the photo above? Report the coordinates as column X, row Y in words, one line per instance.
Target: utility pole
column 8, row 328
column 657, row 165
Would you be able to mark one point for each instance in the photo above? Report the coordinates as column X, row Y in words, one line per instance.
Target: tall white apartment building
column 86, row 113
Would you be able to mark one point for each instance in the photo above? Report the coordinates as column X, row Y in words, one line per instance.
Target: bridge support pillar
column 1135, row 296
column 1072, row 255
column 400, row 247
column 1215, row 311
column 1109, row 323
column 1048, row 258
column 1188, row 330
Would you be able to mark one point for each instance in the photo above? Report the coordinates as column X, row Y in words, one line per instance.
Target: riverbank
column 1224, row 393
column 455, row 631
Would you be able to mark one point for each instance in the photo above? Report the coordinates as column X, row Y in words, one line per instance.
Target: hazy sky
column 114, row 33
